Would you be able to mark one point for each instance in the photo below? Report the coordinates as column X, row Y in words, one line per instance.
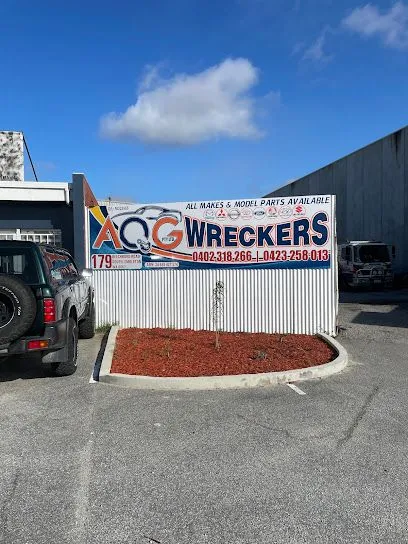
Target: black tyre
column 18, row 308
column 68, row 367
column 87, row 325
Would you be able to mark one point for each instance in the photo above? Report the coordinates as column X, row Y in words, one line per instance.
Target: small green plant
column 259, row 355
column 217, row 311
column 105, row 327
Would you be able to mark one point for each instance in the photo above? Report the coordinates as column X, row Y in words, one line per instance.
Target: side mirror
column 86, row 273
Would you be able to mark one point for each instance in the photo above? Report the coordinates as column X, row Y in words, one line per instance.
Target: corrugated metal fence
column 286, row 301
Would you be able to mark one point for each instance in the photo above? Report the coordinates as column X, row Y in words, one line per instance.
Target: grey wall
column 39, row 215
column 79, row 219
column 371, row 188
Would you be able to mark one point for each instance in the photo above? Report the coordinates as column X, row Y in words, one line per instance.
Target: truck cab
column 364, row 263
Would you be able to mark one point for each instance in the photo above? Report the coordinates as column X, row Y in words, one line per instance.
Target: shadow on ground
column 383, row 317
column 98, row 362
column 29, row 367
column 22, row 368
column 378, row 308
column 395, row 297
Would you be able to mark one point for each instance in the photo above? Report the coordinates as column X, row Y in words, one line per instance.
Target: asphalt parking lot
column 91, row 463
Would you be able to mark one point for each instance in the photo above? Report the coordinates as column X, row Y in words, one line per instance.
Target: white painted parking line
column 296, row 388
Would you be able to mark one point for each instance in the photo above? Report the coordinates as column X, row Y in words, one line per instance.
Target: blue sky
column 227, row 99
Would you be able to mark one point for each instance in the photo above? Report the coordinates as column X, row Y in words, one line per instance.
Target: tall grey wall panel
column 372, row 191
column 371, row 188
column 340, row 190
column 326, row 184
column 404, row 255
column 355, row 196
column 393, row 189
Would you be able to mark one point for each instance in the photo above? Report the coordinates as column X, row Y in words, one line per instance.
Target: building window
column 51, row 237
column 7, row 235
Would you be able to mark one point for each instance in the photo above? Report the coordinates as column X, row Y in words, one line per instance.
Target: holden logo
column 259, row 213
column 233, row 214
column 285, row 211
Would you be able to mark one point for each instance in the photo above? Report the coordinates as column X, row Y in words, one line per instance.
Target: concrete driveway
column 91, row 463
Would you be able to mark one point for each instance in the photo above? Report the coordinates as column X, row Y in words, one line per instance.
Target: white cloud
column 297, row 48
column 391, row 26
column 188, row 109
column 315, row 52
column 151, row 77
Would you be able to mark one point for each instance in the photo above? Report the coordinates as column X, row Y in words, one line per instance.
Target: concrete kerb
column 237, row 381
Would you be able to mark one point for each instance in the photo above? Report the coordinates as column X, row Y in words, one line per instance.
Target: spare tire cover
column 18, row 308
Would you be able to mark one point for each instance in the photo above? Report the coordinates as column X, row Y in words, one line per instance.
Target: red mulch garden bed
column 171, row 352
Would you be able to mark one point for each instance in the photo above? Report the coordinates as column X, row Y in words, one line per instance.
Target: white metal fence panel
column 300, row 301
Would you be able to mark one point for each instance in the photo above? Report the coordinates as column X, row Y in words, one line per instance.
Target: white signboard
column 290, row 232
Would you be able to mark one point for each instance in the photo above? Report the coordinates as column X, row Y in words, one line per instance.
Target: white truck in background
column 365, row 264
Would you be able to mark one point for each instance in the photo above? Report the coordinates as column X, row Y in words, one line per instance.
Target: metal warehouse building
column 371, row 188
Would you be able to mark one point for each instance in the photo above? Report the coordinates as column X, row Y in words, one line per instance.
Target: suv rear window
column 59, row 264
column 19, row 262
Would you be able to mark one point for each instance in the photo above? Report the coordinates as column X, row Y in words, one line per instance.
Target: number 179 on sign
column 101, row 261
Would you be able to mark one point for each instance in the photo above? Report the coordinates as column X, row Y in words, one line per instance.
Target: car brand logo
column 285, row 211
column 299, row 210
column 222, row 214
column 259, row 213
column 272, row 211
column 246, row 213
column 233, row 214
column 209, row 214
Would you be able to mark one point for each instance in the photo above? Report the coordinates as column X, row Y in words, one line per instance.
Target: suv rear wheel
column 87, row 325
column 18, row 308
column 69, row 366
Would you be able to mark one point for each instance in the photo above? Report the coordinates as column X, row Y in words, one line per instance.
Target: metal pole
column 29, row 156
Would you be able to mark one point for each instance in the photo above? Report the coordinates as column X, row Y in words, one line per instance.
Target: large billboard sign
column 291, row 232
